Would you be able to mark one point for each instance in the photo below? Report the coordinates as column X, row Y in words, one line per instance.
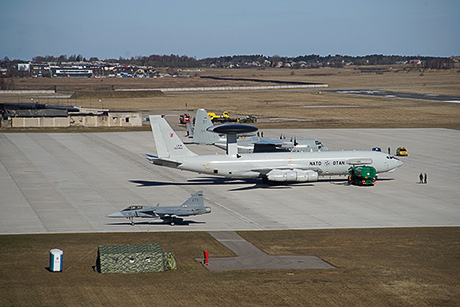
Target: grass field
column 375, row 267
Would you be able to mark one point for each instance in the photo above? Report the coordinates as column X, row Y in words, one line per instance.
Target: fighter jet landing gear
column 131, row 220
column 173, row 221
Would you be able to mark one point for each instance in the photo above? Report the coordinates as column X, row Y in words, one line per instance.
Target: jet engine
column 292, row 175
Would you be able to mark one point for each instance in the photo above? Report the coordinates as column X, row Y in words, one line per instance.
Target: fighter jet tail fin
column 195, row 201
column 200, row 134
column 169, row 145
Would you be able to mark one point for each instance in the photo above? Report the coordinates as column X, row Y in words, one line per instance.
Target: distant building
column 39, row 70
column 71, row 72
column 23, row 67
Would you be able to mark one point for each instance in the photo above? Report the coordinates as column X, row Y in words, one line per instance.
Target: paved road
column 69, row 182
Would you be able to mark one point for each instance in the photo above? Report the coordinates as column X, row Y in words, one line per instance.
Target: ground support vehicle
column 185, row 118
column 401, row 151
column 224, row 118
column 362, row 175
column 248, row 119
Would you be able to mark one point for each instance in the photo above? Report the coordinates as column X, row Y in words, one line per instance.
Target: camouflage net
column 134, row 259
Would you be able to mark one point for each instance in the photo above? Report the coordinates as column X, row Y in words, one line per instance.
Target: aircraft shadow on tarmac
column 252, row 183
column 199, row 181
column 176, row 223
column 345, row 181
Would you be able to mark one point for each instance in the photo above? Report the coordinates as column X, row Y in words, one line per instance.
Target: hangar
column 36, row 115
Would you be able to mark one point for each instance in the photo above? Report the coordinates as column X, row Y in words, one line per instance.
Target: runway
column 69, row 182
column 392, row 94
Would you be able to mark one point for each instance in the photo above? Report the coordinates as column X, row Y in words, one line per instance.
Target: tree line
column 183, row 61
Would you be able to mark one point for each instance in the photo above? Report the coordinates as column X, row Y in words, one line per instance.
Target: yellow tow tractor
column 401, row 151
column 224, row 118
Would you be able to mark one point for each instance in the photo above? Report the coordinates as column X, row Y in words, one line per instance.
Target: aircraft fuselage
column 324, row 163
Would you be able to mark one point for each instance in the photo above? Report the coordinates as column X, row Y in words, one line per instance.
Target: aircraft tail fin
column 195, row 201
column 200, row 134
column 168, row 144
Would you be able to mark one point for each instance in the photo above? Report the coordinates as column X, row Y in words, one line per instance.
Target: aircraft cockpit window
column 130, row 208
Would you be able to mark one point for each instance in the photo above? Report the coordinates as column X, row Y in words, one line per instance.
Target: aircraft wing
column 265, row 171
column 267, row 141
column 163, row 215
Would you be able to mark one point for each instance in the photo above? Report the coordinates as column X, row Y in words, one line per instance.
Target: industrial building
column 74, row 71
column 36, row 115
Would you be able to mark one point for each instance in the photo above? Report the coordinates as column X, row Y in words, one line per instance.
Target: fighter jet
column 192, row 206
column 278, row 166
column 202, row 134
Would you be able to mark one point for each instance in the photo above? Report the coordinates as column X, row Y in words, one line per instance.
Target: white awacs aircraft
column 281, row 166
column 202, row 134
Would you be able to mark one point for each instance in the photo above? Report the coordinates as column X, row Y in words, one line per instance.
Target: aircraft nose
column 397, row 163
column 116, row 214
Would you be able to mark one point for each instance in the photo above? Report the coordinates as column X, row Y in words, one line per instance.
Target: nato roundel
column 233, row 128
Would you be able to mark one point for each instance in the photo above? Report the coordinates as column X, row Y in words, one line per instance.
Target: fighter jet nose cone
column 115, row 214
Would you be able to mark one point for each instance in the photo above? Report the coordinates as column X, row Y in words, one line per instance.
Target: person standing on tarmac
column 421, row 177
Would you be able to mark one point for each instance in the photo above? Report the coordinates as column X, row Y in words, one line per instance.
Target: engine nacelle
column 292, row 175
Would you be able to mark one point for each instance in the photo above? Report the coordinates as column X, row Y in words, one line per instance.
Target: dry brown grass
column 376, row 267
column 347, row 77
column 281, row 108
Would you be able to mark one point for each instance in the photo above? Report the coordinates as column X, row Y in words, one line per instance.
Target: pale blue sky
column 205, row 28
